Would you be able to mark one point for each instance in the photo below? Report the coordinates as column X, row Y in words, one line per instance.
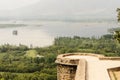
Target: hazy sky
column 61, row 7
column 13, row 4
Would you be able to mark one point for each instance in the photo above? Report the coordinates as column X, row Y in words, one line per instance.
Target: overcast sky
column 13, row 4
column 61, row 7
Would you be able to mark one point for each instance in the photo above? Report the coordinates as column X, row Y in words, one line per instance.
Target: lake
column 42, row 33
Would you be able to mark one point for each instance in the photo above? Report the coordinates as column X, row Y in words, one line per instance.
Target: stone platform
column 85, row 66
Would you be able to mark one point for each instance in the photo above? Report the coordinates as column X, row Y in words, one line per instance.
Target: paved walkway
column 97, row 69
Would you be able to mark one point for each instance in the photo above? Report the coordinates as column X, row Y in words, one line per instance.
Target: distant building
column 15, row 32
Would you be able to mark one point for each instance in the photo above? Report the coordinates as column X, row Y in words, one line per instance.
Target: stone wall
column 113, row 75
column 66, row 72
column 70, row 69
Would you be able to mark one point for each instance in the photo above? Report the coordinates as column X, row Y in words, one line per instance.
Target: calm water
column 42, row 34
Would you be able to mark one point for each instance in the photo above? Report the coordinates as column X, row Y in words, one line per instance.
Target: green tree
column 117, row 32
column 118, row 10
column 117, row 36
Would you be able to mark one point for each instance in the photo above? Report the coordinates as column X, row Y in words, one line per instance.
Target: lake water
column 42, row 33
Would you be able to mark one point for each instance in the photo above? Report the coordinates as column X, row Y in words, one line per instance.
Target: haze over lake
column 42, row 33
column 44, row 20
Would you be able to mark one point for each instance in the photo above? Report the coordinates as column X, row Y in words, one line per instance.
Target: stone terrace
column 85, row 66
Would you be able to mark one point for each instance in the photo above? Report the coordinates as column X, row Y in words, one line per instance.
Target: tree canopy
column 117, row 31
column 118, row 10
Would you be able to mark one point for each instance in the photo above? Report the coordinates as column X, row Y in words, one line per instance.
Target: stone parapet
column 61, row 59
column 81, row 70
column 109, row 58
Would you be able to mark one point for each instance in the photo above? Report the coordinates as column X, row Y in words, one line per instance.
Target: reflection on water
column 44, row 35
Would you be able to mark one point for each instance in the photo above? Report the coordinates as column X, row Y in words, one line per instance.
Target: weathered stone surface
column 65, row 72
column 81, row 70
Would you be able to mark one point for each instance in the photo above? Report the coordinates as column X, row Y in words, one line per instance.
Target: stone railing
column 109, row 58
column 81, row 70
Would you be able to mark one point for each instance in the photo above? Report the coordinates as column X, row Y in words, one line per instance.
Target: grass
column 2, row 55
column 86, row 50
column 31, row 53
